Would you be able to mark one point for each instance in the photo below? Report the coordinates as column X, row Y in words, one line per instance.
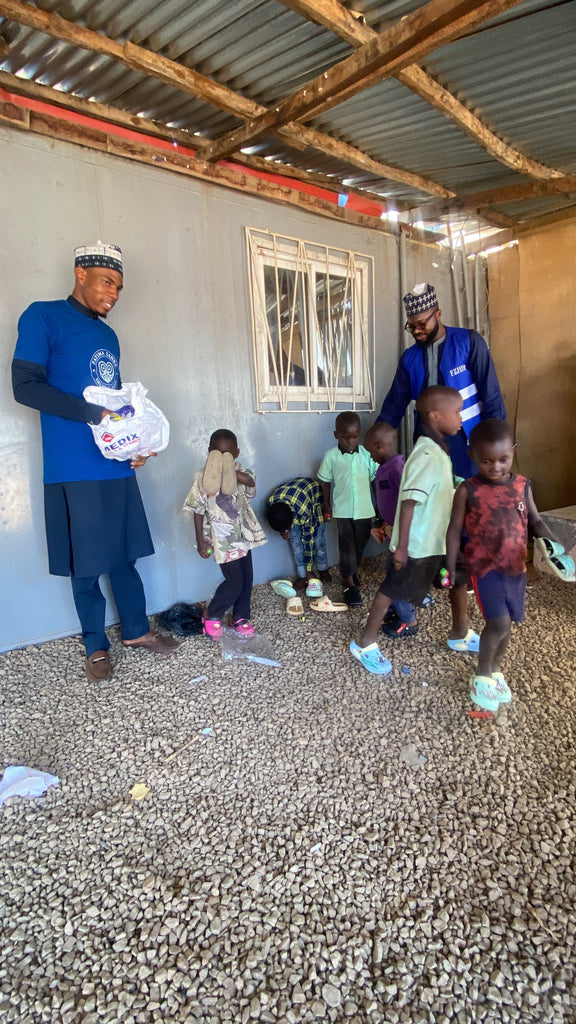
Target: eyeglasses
column 421, row 325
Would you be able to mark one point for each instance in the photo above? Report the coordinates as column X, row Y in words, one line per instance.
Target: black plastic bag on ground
column 182, row 619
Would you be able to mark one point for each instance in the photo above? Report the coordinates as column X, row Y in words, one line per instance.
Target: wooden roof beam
column 194, row 84
column 437, row 23
column 330, row 14
column 147, row 127
column 445, row 103
column 517, row 193
column 351, row 155
column 169, row 159
column 134, row 57
column 547, row 220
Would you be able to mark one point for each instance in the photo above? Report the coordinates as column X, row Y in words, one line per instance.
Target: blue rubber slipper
column 470, row 643
column 556, row 559
column 283, row 588
column 314, row 588
column 371, row 658
column 503, row 691
column 483, row 693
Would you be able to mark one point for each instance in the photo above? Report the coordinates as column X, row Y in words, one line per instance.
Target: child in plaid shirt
column 295, row 511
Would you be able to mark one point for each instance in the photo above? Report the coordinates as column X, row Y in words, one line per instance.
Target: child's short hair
column 380, row 427
column 490, row 432
column 222, row 435
column 433, row 398
column 347, row 419
column 280, row 516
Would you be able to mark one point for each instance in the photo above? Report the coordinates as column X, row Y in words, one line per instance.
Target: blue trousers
column 404, row 610
column 91, row 607
column 320, row 556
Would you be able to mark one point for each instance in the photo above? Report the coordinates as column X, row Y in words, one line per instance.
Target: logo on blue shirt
column 104, row 368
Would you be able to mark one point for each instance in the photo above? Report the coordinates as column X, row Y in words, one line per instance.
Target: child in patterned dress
column 226, row 526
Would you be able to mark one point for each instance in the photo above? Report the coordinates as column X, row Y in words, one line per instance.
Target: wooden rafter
column 330, row 14
column 169, row 159
column 349, row 154
column 191, row 82
column 147, row 127
column 442, row 100
column 437, row 23
column 547, row 220
column 517, row 193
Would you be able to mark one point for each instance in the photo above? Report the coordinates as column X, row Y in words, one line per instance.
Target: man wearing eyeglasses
column 453, row 356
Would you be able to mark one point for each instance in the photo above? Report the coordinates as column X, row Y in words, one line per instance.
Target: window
column 313, row 317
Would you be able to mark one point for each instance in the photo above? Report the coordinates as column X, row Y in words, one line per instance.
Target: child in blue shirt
column 345, row 475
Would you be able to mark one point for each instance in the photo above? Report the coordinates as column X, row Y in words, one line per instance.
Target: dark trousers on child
column 235, row 592
column 353, row 536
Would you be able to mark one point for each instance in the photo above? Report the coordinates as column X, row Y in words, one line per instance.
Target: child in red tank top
column 495, row 509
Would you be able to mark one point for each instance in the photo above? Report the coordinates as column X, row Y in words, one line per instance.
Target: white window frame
column 308, row 259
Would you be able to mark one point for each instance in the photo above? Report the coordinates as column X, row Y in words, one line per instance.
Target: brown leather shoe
column 155, row 642
column 98, row 666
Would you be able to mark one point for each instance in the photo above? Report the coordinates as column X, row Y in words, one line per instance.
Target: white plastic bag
column 18, row 780
column 137, row 432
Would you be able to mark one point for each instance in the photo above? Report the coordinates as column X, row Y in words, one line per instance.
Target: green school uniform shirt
column 350, row 476
column 428, row 480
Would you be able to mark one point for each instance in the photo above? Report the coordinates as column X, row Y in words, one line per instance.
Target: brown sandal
column 155, row 642
column 98, row 667
column 229, row 483
column 212, row 476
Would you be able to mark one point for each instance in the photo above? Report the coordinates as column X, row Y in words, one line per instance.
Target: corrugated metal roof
column 516, row 73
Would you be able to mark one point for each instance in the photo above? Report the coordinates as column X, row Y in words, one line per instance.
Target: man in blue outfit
column 95, row 520
column 453, row 356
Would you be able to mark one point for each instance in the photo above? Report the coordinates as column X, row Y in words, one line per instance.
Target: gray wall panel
column 185, row 330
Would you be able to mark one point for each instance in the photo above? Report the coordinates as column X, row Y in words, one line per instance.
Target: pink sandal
column 243, row 628
column 212, row 627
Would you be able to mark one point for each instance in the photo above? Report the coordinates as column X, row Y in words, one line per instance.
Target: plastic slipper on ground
column 242, row 627
column 294, row 606
column 371, row 658
column 229, row 479
column 561, row 564
column 483, row 693
column 324, row 604
column 503, row 691
column 314, row 588
column 470, row 643
column 212, row 475
column 283, row 588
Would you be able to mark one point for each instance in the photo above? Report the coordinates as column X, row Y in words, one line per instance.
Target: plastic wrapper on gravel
column 18, row 780
column 182, row 619
column 251, row 648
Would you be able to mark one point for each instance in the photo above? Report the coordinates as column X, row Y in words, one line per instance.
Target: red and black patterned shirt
column 496, row 525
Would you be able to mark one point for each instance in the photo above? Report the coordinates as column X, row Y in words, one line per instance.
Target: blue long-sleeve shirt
column 483, row 371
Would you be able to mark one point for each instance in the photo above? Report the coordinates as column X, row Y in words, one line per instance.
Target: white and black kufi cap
column 420, row 299
column 102, row 254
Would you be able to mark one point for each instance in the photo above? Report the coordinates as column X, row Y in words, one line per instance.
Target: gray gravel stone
column 292, row 865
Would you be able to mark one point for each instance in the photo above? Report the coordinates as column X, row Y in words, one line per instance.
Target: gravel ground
column 337, row 848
